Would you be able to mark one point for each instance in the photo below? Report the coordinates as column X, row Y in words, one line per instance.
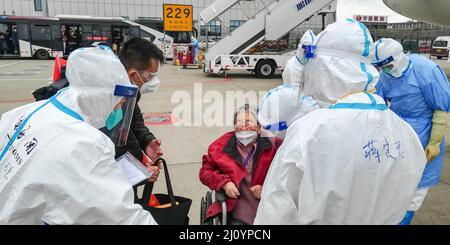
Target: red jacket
column 223, row 164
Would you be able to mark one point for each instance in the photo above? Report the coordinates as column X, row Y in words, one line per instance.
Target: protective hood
column 93, row 74
column 293, row 72
column 388, row 51
column 342, row 63
column 281, row 107
column 306, row 44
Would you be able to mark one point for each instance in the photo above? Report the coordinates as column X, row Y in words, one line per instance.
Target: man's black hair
column 137, row 52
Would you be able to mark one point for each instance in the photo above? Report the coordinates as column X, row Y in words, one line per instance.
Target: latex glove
column 437, row 135
column 153, row 149
column 231, row 190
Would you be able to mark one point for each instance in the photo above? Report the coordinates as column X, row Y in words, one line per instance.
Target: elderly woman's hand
column 231, row 190
column 156, row 170
column 256, row 190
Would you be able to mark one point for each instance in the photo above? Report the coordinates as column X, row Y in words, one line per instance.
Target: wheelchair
column 207, row 201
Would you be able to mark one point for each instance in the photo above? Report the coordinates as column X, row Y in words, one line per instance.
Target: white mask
column 150, row 86
column 246, row 137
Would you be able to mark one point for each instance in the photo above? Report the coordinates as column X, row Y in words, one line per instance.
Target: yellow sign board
column 178, row 17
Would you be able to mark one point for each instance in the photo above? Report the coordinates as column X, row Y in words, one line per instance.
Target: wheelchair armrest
column 221, row 196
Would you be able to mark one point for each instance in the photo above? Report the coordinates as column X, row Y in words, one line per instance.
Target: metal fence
column 415, row 40
column 418, row 41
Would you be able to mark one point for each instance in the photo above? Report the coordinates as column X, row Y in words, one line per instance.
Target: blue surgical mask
column 114, row 119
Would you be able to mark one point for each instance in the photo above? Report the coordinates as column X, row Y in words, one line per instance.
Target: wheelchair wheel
column 206, row 202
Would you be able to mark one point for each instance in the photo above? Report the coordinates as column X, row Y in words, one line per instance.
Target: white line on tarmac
column 11, row 64
column 23, row 79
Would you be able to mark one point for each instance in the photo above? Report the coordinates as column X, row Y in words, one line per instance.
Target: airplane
column 429, row 11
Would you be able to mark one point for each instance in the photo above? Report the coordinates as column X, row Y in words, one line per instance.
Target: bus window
column 41, row 36
column 102, row 33
column 24, row 32
column 87, row 35
column 134, row 31
column 119, row 36
column 183, row 37
column 57, row 41
column 147, row 36
column 96, row 34
column 71, row 36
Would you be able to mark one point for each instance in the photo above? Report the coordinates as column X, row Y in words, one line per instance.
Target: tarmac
column 184, row 146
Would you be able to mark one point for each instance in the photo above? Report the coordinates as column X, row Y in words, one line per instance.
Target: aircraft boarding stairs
column 271, row 23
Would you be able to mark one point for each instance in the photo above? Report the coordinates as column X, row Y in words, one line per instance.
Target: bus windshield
column 441, row 44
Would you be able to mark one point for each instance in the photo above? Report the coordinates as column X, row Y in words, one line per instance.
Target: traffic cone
column 59, row 64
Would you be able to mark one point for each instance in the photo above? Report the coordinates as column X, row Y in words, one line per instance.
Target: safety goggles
column 384, row 62
column 310, row 51
column 146, row 76
column 149, row 75
column 281, row 126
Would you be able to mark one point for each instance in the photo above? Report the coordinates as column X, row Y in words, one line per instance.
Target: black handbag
column 176, row 213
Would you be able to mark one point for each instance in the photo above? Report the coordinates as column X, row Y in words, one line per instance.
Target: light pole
column 46, row 13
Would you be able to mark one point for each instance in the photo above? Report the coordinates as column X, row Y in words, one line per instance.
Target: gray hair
column 246, row 109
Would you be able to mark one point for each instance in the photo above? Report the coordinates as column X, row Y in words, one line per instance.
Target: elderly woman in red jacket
column 237, row 163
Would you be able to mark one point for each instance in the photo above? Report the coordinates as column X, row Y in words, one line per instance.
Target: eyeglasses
column 246, row 125
column 146, row 75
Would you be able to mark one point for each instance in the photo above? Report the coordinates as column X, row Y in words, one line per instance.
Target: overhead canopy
column 430, row 11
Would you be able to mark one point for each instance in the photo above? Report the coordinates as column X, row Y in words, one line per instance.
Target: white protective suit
column 355, row 162
column 293, row 72
column 61, row 168
column 281, row 106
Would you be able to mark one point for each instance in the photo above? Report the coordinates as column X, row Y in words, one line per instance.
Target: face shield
column 276, row 109
column 382, row 63
column 119, row 121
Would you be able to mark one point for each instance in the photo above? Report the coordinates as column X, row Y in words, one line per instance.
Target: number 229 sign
column 178, row 17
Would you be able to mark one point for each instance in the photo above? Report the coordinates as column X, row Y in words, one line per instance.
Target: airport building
column 153, row 10
column 373, row 22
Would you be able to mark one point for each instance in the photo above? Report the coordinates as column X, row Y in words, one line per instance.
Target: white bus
column 44, row 38
column 181, row 40
column 441, row 47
